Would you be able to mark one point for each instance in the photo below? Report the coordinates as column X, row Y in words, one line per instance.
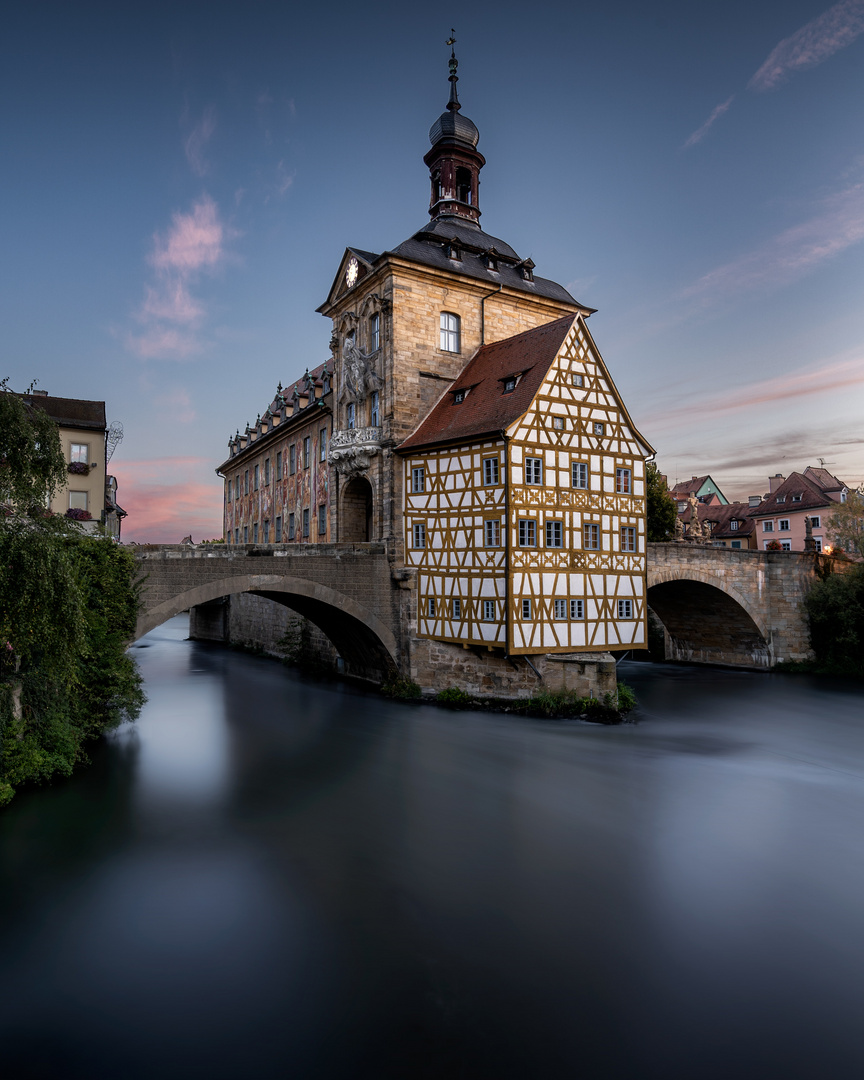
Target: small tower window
column 375, row 333
column 463, row 185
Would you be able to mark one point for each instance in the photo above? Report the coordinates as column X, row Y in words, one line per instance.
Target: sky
column 179, row 182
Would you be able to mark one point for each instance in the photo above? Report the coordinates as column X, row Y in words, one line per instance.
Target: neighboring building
column 731, row 525
column 449, row 351
column 702, row 488
column 86, row 496
column 277, row 477
column 780, row 517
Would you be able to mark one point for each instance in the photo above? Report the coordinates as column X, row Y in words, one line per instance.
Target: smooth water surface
column 272, row 877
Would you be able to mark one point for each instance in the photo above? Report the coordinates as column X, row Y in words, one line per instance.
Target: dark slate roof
column 812, row 497
column 486, row 409
column 428, row 246
column 824, row 479
column 71, row 412
column 367, row 256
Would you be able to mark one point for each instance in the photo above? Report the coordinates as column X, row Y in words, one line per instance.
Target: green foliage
column 68, row 606
column 661, row 508
column 835, row 607
column 32, row 465
column 397, row 686
column 845, row 527
column 453, row 698
column 567, row 704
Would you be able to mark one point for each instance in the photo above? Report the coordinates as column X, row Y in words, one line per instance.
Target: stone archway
column 368, row 647
column 708, row 623
column 356, row 518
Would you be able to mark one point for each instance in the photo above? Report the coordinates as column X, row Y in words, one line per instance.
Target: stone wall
column 263, row 624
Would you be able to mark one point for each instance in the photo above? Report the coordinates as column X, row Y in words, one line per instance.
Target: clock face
column 351, row 273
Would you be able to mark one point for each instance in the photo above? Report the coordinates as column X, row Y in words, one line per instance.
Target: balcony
column 352, row 449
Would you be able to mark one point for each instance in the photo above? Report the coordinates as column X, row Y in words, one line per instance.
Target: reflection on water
column 271, row 877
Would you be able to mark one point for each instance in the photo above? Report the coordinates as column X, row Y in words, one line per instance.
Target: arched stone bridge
column 725, row 606
column 717, row 605
column 347, row 590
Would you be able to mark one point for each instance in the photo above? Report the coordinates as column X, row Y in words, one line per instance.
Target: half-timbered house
column 525, row 501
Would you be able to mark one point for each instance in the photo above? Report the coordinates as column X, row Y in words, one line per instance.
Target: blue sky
column 180, row 180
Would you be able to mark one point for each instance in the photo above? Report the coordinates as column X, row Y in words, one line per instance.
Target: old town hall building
column 466, row 419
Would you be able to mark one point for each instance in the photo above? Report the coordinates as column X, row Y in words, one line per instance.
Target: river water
column 268, row 876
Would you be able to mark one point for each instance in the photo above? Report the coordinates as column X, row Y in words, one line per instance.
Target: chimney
column 39, row 393
column 754, row 500
column 774, row 482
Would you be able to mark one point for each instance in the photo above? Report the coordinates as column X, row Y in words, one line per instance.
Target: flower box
column 79, row 515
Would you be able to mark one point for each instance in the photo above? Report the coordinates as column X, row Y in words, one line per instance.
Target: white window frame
column 77, row 498
column 816, row 521
column 79, row 453
column 783, row 525
column 767, row 526
column 450, row 326
column 625, row 609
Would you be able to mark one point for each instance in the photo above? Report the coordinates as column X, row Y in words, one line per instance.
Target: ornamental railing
column 361, row 436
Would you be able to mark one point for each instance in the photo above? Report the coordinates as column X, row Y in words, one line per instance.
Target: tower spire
column 454, row 160
column 453, row 104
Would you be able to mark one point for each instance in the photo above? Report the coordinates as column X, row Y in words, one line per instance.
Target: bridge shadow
column 366, row 645
column 705, row 624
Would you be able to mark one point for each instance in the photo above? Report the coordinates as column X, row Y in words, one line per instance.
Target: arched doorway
column 355, row 525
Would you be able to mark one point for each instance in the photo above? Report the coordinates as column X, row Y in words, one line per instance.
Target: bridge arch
column 707, row 619
column 361, row 638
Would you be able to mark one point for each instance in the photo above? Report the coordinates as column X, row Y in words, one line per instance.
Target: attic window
column 733, row 525
column 781, row 498
column 526, row 269
column 490, row 259
column 578, row 380
column 459, row 396
column 795, row 498
column 454, row 251
column 510, row 384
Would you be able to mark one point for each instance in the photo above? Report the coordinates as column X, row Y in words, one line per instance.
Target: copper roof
column 486, row 409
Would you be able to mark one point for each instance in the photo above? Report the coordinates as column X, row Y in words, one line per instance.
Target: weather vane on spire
column 454, row 78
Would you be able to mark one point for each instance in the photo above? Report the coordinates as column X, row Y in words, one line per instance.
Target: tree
column 32, row 465
column 661, row 507
column 845, row 527
column 68, row 605
column 835, row 607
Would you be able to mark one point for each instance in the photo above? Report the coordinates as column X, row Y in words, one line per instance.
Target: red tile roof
column 486, row 409
column 812, row 497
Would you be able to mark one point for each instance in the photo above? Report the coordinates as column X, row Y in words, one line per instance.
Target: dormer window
column 781, row 498
column 526, row 269
column 510, row 384
column 459, row 396
column 795, row 498
column 490, row 259
column 454, row 251
column 733, row 525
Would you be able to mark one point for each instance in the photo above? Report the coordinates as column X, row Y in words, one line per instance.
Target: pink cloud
column 701, row 132
column 820, row 379
column 194, row 241
column 819, row 39
column 197, row 140
column 790, row 254
column 164, row 502
column 164, row 343
column 172, row 303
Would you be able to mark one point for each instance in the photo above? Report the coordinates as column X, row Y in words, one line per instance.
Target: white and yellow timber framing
column 603, row 588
